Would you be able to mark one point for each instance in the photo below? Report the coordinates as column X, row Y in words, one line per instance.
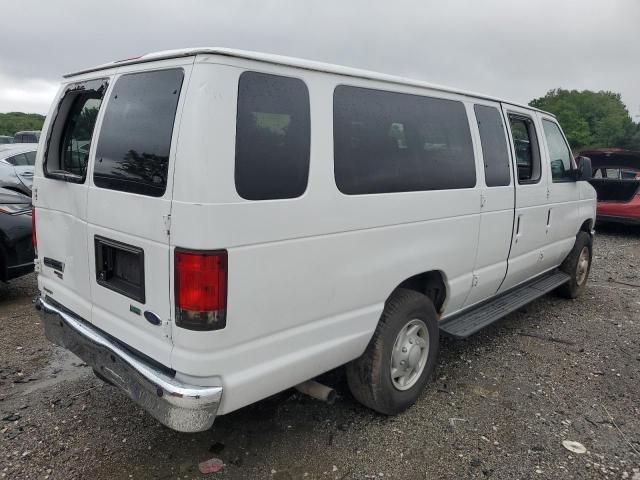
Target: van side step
column 469, row 322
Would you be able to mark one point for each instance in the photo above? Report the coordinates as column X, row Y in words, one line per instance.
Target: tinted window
column 135, row 138
column 31, row 158
column 495, row 151
column 559, row 153
column 70, row 134
column 78, row 131
column 23, row 159
column 526, row 146
column 272, row 137
column 393, row 142
column 28, row 138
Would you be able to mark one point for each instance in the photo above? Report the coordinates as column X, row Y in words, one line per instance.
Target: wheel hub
column 414, row 357
column 583, row 266
column 409, row 355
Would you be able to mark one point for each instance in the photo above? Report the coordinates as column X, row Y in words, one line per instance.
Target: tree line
column 13, row 122
column 591, row 119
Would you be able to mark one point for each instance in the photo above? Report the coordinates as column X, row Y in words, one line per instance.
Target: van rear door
column 60, row 194
column 129, row 206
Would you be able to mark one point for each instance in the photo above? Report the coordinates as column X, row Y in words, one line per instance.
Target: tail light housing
column 34, row 238
column 201, row 289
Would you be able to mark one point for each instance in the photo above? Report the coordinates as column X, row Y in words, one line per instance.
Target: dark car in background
column 616, row 178
column 27, row 136
column 16, row 227
column 16, row 166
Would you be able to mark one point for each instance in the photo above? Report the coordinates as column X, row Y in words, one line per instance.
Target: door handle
column 518, row 227
column 549, row 218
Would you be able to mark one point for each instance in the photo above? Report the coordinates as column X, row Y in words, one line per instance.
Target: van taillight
column 201, row 289
column 34, row 238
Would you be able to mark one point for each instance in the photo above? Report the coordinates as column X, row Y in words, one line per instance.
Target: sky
column 512, row 49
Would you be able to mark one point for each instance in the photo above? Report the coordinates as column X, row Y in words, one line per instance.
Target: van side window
column 559, row 153
column 272, row 137
column 135, row 138
column 495, row 151
column 69, row 139
column 394, row 142
column 527, row 150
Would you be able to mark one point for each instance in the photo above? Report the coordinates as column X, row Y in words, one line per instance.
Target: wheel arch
column 432, row 283
column 587, row 226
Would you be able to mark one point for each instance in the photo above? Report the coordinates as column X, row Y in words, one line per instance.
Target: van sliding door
column 497, row 202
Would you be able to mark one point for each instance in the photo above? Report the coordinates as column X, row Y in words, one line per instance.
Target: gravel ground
column 500, row 405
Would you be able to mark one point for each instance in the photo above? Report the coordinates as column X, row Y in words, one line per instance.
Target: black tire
column 574, row 288
column 369, row 376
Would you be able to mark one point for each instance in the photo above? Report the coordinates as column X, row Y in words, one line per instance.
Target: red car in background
column 616, row 178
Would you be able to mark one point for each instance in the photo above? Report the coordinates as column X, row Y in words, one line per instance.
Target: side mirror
column 584, row 171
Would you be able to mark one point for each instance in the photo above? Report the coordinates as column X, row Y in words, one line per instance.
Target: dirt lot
column 500, row 405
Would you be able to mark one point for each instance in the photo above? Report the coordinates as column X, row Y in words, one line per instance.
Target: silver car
column 16, row 166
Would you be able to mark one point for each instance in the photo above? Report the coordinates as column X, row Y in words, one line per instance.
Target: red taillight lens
column 201, row 289
column 34, row 238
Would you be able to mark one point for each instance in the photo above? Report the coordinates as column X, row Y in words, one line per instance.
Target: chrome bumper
column 186, row 408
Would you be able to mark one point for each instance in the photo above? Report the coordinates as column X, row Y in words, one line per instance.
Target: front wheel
column 577, row 265
column 401, row 356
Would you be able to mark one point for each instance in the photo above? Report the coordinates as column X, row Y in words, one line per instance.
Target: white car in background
column 16, row 166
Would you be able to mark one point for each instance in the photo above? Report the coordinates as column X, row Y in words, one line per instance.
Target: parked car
column 16, row 166
column 4, row 139
column 16, row 247
column 242, row 223
column 616, row 178
column 28, row 136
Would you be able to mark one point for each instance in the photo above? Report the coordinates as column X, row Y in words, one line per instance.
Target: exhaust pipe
column 317, row 391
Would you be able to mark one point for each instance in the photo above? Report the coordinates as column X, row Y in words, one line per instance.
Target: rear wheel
column 400, row 357
column 577, row 265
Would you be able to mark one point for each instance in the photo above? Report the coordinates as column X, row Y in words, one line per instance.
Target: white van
column 215, row 226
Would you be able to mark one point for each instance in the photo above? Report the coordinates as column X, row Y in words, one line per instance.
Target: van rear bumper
column 185, row 408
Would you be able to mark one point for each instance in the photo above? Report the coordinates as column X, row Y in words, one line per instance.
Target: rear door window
column 559, row 152
column 78, row 131
column 135, row 139
column 272, row 137
column 495, row 152
column 69, row 138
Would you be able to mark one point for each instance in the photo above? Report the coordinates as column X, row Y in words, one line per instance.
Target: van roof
column 292, row 62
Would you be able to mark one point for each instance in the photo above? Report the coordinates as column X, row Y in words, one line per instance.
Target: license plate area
column 120, row 267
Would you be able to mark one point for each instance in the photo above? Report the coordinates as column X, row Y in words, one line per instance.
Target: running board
column 470, row 321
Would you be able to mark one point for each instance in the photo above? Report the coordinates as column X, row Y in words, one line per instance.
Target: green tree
column 591, row 119
column 13, row 122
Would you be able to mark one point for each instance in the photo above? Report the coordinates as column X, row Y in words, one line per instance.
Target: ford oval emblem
column 152, row 318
